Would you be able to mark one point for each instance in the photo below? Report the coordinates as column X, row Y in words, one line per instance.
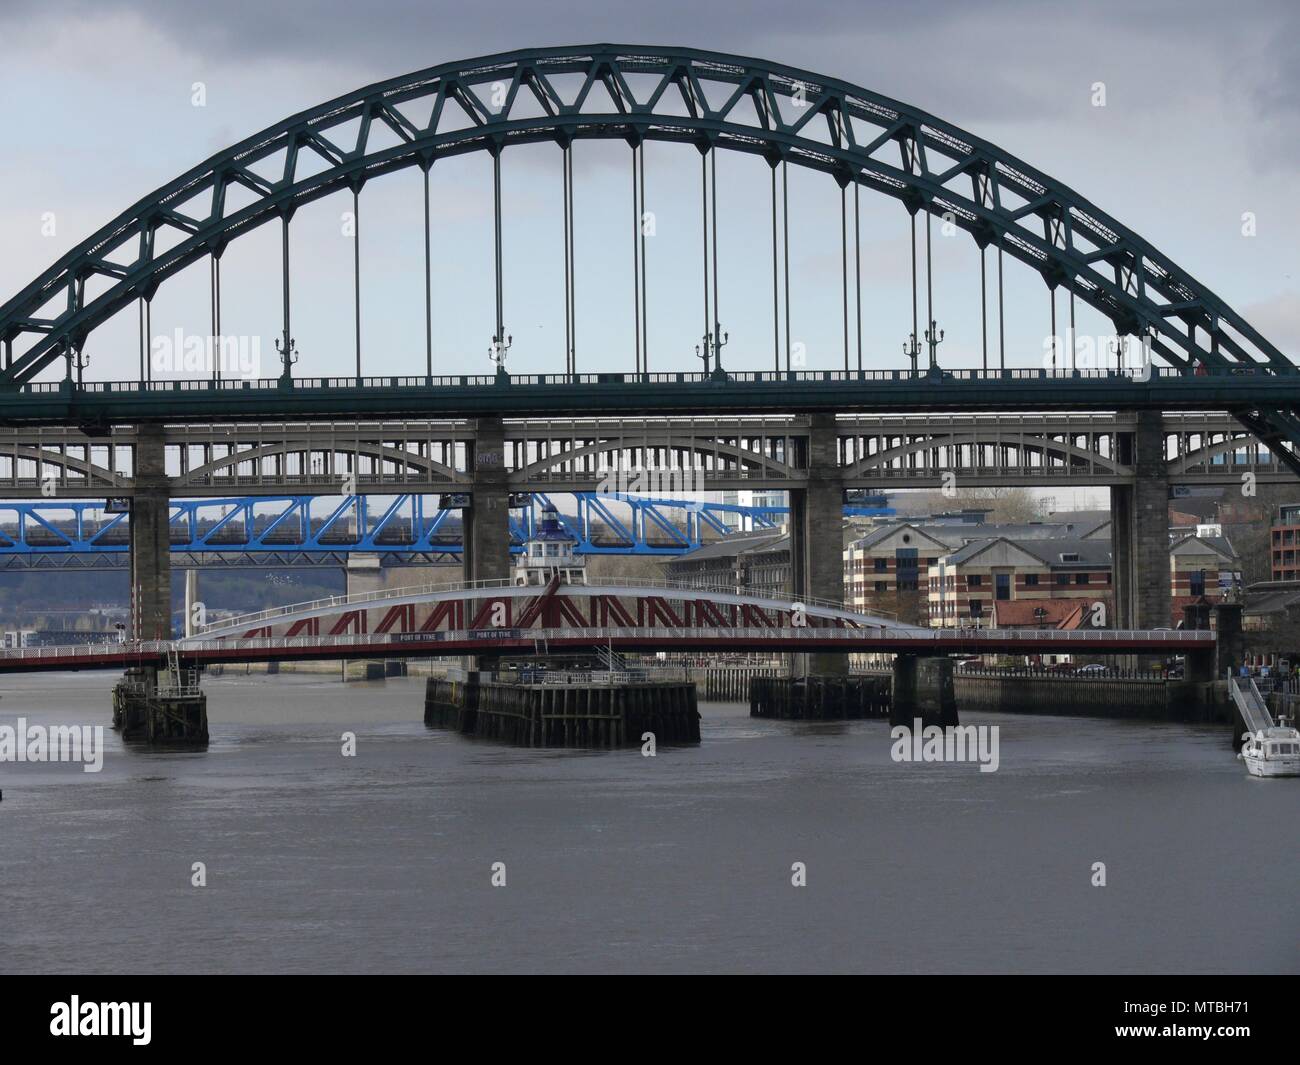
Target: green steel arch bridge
column 1196, row 352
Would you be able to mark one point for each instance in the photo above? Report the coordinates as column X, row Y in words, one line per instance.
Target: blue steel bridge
column 405, row 529
column 1180, row 351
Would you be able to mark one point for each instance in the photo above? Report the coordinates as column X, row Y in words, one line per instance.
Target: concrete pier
column 922, row 688
column 564, row 715
column 817, row 537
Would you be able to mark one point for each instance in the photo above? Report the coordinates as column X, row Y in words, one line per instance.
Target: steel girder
column 404, row 530
column 697, row 97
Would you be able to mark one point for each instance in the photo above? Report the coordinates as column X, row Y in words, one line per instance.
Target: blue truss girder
column 271, row 524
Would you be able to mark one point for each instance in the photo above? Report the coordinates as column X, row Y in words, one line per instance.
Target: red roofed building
column 1042, row 614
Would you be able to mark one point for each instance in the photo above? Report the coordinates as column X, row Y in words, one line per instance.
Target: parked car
column 1091, row 670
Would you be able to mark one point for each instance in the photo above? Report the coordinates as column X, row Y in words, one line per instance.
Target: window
column 1003, row 586
column 1080, row 578
column 1198, row 583
column 1031, row 580
column 882, row 564
column 906, row 562
column 973, row 581
column 1062, row 578
column 881, row 586
column 976, row 608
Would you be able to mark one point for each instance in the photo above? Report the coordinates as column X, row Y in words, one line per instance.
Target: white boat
column 1272, row 752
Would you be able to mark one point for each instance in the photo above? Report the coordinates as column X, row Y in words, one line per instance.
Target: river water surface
column 614, row 862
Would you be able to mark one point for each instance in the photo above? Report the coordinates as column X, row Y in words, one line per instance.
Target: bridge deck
column 538, row 641
column 834, row 391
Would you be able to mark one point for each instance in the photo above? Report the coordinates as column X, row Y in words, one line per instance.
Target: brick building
column 1285, row 544
column 965, row 587
column 889, row 567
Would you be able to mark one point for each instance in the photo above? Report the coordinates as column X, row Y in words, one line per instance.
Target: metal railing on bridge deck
column 273, row 384
column 381, row 642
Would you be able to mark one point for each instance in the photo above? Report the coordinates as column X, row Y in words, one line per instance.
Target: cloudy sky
column 1201, row 124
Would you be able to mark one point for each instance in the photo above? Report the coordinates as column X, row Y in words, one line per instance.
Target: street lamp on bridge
column 912, row 349
column 497, row 352
column 713, row 347
column 288, row 349
column 933, row 338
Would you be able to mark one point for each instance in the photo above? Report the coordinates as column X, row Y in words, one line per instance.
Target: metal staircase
column 1250, row 704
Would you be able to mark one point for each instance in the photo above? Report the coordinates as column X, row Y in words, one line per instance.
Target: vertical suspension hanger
column 916, row 331
column 636, row 268
column 356, row 270
column 1002, row 329
column 286, row 346
column 857, row 268
column 645, row 280
column 984, row 311
column 499, row 338
column 568, row 261
column 776, row 317
column 929, row 290
column 1051, row 296
column 844, row 268
column 785, row 244
column 428, row 278
column 717, row 317
column 704, row 245
column 1074, row 343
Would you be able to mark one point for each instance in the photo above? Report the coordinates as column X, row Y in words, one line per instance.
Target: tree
column 1006, row 505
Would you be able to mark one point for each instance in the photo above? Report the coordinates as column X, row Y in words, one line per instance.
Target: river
column 382, row 862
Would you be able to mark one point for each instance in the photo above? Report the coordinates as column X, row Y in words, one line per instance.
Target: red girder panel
column 707, row 613
column 402, row 616
column 755, row 617
column 612, row 609
column 657, row 609
column 450, row 611
column 481, row 619
column 353, row 621
column 567, row 611
column 538, row 605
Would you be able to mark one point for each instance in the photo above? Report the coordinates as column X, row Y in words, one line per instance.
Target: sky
column 1201, row 125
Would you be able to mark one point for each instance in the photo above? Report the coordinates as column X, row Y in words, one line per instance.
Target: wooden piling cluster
column 819, row 698
column 565, row 715
column 729, row 684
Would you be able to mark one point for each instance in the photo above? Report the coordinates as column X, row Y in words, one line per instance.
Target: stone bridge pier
column 486, row 535
column 151, row 573
column 1140, row 529
column 816, row 534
